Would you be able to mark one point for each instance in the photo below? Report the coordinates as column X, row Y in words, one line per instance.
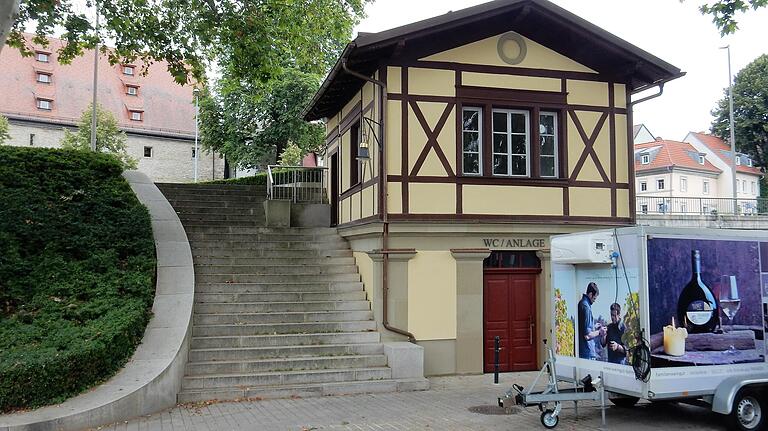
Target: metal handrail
column 299, row 184
column 701, row 206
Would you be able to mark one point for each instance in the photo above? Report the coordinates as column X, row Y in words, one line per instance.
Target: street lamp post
column 196, row 91
column 733, row 135
column 95, row 84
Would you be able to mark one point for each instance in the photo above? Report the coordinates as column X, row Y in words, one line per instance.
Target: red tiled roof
column 666, row 154
column 169, row 106
column 723, row 150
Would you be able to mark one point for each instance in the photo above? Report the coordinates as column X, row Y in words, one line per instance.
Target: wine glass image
column 729, row 302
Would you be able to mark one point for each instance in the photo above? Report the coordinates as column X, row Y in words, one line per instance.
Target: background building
column 41, row 97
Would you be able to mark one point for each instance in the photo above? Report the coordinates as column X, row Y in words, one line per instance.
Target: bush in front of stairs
column 259, row 179
column 77, row 270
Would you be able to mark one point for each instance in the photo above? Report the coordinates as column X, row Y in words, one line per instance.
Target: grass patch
column 77, row 270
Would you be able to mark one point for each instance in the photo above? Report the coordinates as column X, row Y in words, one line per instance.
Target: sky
column 672, row 30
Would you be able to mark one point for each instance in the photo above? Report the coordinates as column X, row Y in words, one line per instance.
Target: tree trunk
column 9, row 11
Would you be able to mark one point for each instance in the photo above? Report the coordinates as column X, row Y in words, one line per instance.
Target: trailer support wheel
column 747, row 413
column 549, row 419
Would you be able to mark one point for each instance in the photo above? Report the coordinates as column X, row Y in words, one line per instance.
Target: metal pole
column 197, row 150
column 733, row 134
column 95, row 83
column 496, row 349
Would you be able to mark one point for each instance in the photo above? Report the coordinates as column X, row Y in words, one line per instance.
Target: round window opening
column 511, row 48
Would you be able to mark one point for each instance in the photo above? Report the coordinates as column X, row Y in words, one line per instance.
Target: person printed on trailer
column 611, row 339
column 588, row 329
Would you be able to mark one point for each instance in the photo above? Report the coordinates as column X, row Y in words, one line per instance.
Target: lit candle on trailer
column 674, row 339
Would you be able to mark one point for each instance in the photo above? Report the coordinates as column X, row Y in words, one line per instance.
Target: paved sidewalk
column 445, row 407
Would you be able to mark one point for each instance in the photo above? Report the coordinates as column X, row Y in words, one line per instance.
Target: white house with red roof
column 719, row 153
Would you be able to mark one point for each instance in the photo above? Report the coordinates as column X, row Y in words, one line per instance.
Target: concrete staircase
column 279, row 312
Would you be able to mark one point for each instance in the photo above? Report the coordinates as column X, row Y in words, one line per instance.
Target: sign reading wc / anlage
column 497, row 243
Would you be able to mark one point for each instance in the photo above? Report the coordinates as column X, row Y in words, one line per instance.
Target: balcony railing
column 297, row 184
column 659, row 205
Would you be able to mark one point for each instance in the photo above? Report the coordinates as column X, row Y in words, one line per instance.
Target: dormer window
column 738, row 160
column 135, row 115
column 645, row 159
column 128, row 70
column 42, row 57
column 749, row 162
column 44, row 78
column 701, row 159
column 132, row 91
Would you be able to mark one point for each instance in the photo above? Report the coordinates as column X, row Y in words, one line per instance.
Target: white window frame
column 743, row 186
column 644, row 208
column 702, row 157
column 705, row 187
column 479, row 132
column 660, row 182
column 754, row 187
column 643, row 186
column 508, row 113
column 131, row 90
column 645, row 159
column 555, row 148
column 738, row 160
column 136, row 116
column 128, row 70
column 749, row 162
column 44, row 78
column 44, row 104
column 683, row 184
column 42, row 57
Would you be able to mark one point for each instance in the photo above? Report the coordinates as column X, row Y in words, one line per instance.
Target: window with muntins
column 683, row 184
column 128, row 70
column 44, row 104
column 645, row 159
column 706, row 187
column 135, row 115
column 643, row 186
column 44, row 78
column 548, row 153
column 660, row 184
column 354, row 164
column 42, row 57
column 132, row 91
column 471, row 141
column 510, row 143
column 701, row 159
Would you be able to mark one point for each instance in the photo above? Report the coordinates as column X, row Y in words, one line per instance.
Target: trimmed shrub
column 259, row 179
column 77, row 271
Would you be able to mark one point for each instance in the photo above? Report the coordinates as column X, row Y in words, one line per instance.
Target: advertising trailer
column 665, row 313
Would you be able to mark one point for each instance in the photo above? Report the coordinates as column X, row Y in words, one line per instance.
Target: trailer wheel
column 624, row 402
column 747, row 413
column 549, row 419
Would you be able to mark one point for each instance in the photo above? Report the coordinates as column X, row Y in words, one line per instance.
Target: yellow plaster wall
column 587, row 93
column 588, row 120
column 603, row 148
column 394, row 78
column 368, row 95
column 432, row 198
column 622, row 203
column 620, row 95
column 369, row 201
column 354, row 202
column 622, row 149
column 350, row 105
column 393, row 147
column 394, row 198
column 485, row 52
column 432, row 295
column 344, row 207
column 331, row 124
column 365, row 268
column 344, row 161
column 517, row 82
column 590, row 202
column 431, row 82
column 512, row 200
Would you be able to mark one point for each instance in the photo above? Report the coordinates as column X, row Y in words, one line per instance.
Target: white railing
column 297, row 184
column 701, row 206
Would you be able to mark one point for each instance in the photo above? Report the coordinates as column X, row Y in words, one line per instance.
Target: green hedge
column 77, row 270
column 259, row 179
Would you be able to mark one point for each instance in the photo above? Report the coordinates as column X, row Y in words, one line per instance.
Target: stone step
column 201, row 369
column 276, row 269
column 218, row 220
column 271, row 253
column 284, row 340
column 214, row 197
column 282, row 317
column 285, row 278
column 204, row 228
column 235, row 203
column 265, row 307
column 303, row 391
column 254, row 210
column 269, row 261
column 282, row 328
column 334, row 244
column 264, row 237
column 340, row 286
column 212, row 188
column 285, row 378
column 202, row 298
column 309, row 351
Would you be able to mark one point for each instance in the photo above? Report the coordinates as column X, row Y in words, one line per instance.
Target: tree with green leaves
column 109, row 138
column 254, row 38
column 724, row 12
column 253, row 123
column 750, row 111
column 4, row 135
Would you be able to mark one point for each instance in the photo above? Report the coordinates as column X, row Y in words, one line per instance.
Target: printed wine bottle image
column 696, row 307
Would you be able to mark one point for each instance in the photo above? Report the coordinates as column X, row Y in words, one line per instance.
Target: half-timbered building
column 456, row 146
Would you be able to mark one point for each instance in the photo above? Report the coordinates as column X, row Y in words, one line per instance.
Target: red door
column 509, row 312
